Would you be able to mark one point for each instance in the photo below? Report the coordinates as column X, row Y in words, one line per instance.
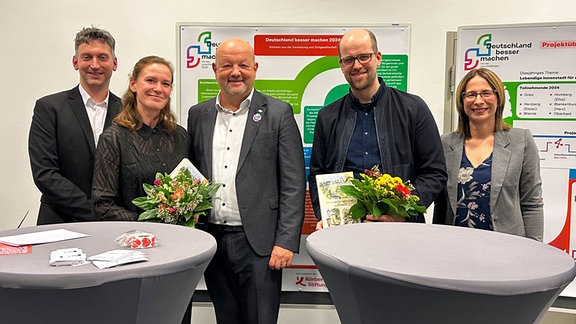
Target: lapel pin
column 257, row 117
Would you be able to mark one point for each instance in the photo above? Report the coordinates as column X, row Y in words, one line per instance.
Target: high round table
column 156, row 291
column 423, row 273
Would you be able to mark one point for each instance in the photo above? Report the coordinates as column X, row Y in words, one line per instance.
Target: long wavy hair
column 496, row 84
column 129, row 116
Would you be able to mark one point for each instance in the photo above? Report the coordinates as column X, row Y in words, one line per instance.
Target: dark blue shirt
column 363, row 151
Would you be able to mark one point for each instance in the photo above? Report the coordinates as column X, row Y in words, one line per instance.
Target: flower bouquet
column 380, row 194
column 176, row 199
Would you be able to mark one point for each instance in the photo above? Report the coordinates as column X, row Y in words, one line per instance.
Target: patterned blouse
column 125, row 160
column 473, row 208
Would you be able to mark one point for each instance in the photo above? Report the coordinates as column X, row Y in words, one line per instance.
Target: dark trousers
column 242, row 287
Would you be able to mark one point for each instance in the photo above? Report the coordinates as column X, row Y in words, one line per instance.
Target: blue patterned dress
column 473, row 208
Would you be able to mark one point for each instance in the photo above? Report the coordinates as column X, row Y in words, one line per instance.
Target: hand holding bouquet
column 176, row 200
column 380, row 194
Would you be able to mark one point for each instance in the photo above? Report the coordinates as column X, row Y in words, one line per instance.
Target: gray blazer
column 516, row 193
column 270, row 179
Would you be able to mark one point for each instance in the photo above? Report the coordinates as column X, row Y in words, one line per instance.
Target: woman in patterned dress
column 493, row 169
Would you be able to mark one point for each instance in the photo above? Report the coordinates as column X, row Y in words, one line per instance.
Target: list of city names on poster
column 536, row 64
column 546, row 100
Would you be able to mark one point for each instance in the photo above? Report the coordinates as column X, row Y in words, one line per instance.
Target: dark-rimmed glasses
column 362, row 59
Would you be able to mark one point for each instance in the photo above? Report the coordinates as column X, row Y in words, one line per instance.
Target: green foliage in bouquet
column 381, row 194
column 177, row 200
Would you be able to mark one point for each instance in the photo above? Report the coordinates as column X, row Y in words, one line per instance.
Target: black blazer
column 61, row 148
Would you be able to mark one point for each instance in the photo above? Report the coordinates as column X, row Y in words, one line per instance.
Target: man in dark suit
column 65, row 130
column 251, row 144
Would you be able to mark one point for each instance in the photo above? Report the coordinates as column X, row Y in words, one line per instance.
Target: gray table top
column 447, row 257
column 179, row 248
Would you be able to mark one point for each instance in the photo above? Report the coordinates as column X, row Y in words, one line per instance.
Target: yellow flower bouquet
column 380, row 194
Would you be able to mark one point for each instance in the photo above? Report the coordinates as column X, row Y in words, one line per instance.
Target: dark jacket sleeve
column 70, row 201
column 428, row 156
column 292, row 182
column 441, row 209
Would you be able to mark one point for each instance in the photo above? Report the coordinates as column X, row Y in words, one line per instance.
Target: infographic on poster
column 296, row 64
column 536, row 64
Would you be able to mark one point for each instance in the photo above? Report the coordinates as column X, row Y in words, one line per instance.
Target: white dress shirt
column 96, row 113
column 226, row 145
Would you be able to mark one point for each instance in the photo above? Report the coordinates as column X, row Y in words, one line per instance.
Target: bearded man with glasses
column 376, row 125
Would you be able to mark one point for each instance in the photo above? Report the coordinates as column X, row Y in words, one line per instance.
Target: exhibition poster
column 297, row 64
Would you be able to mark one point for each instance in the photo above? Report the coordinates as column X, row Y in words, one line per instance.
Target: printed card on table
column 334, row 204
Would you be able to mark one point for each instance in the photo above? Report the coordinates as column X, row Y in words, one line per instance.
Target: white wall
column 36, row 49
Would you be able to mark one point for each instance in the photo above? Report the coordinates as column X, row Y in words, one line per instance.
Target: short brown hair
column 89, row 34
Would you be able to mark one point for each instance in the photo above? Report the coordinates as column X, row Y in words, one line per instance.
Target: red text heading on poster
column 296, row 45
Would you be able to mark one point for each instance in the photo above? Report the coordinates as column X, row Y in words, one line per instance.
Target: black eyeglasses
column 362, row 59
